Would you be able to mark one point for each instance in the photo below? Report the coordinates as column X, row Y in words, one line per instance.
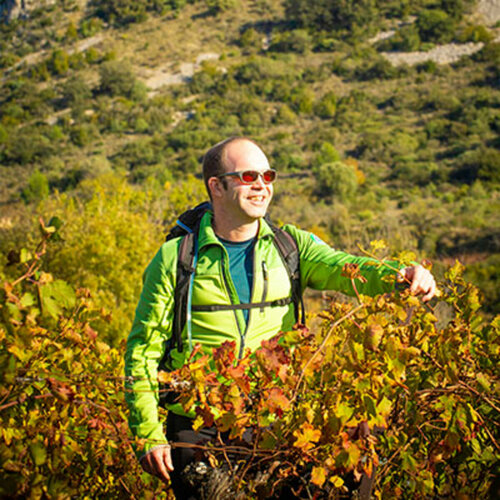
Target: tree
column 37, row 189
column 336, row 179
column 339, row 15
column 117, row 78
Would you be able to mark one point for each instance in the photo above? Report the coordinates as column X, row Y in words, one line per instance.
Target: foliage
column 336, row 179
column 63, row 426
column 125, row 12
column 107, row 241
column 380, row 385
column 435, row 25
column 344, row 15
column 117, row 78
column 38, row 187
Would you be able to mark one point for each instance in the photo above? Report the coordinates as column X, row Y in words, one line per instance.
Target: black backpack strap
column 289, row 252
column 185, row 270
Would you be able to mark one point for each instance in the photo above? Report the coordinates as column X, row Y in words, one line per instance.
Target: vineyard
column 386, row 384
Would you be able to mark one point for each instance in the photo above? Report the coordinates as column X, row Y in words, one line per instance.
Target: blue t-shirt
column 241, row 268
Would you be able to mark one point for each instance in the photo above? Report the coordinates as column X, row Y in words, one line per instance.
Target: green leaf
column 369, row 405
column 55, row 222
column 27, row 300
column 56, row 296
column 384, row 407
column 25, row 255
column 38, row 453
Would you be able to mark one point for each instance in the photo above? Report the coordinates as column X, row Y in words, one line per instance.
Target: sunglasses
column 251, row 176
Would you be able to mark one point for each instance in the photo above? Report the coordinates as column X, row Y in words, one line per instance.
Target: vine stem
column 477, row 393
column 396, row 270
column 322, row 345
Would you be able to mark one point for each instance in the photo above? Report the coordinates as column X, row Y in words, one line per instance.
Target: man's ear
column 215, row 187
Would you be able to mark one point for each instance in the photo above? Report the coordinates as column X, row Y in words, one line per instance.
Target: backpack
column 188, row 226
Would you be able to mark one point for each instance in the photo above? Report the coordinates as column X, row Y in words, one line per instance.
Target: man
column 237, row 264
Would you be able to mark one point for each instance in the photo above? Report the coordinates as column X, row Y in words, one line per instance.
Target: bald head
column 219, row 158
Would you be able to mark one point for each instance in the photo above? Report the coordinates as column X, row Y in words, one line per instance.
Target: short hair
column 214, row 161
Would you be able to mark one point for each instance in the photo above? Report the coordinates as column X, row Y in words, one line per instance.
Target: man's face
column 245, row 202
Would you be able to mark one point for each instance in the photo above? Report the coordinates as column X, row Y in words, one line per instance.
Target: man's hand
column 158, row 462
column 421, row 281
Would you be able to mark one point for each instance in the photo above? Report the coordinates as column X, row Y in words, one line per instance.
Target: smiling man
column 241, row 291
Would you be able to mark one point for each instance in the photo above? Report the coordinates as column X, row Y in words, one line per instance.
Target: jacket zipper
column 228, row 288
column 266, row 284
column 242, row 345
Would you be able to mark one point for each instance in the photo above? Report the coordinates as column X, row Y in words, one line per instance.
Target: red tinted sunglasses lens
column 249, row 176
column 269, row 176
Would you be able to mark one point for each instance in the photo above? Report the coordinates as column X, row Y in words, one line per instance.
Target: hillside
column 366, row 149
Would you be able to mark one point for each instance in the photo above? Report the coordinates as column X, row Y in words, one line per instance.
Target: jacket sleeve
column 145, row 346
column 321, row 267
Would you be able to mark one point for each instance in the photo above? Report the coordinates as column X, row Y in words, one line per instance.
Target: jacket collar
column 207, row 234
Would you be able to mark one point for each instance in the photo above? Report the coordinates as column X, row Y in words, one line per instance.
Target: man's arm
column 145, row 346
column 321, row 269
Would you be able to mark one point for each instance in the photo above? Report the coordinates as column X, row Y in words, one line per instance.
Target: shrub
column 326, row 154
column 75, row 92
column 117, row 78
column 299, row 41
column 285, row 115
column 251, row 41
column 435, row 26
column 90, row 27
column 217, row 6
column 348, row 15
column 83, row 134
column 58, row 63
column 62, row 413
column 336, row 179
column 368, row 389
column 476, row 33
column 302, row 99
column 482, row 163
column 37, row 189
column 326, row 106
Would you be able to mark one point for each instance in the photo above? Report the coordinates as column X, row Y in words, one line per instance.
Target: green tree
column 326, row 106
column 117, row 78
column 59, row 62
column 336, row 179
column 341, row 15
column 75, row 92
column 108, row 239
column 37, row 189
column 435, row 25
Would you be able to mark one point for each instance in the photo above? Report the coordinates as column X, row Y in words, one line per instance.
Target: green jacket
column 320, row 266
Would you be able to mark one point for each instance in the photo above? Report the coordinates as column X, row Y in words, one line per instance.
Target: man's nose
column 259, row 183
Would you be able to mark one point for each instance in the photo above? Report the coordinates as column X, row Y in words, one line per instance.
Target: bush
column 326, row 154
column 251, row 41
column 58, row 63
column 302, row 99
column 348, row 15
column 83, row 134
column 325, row 108
column 285, row 115
column 75, row 92
column 435, row 26
column 367, row 390
column 217, row 6
column 64, row 432
column 37, row 189
column 482, row 163
column 337, row 180
column 117, row 78
column 299, row 41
